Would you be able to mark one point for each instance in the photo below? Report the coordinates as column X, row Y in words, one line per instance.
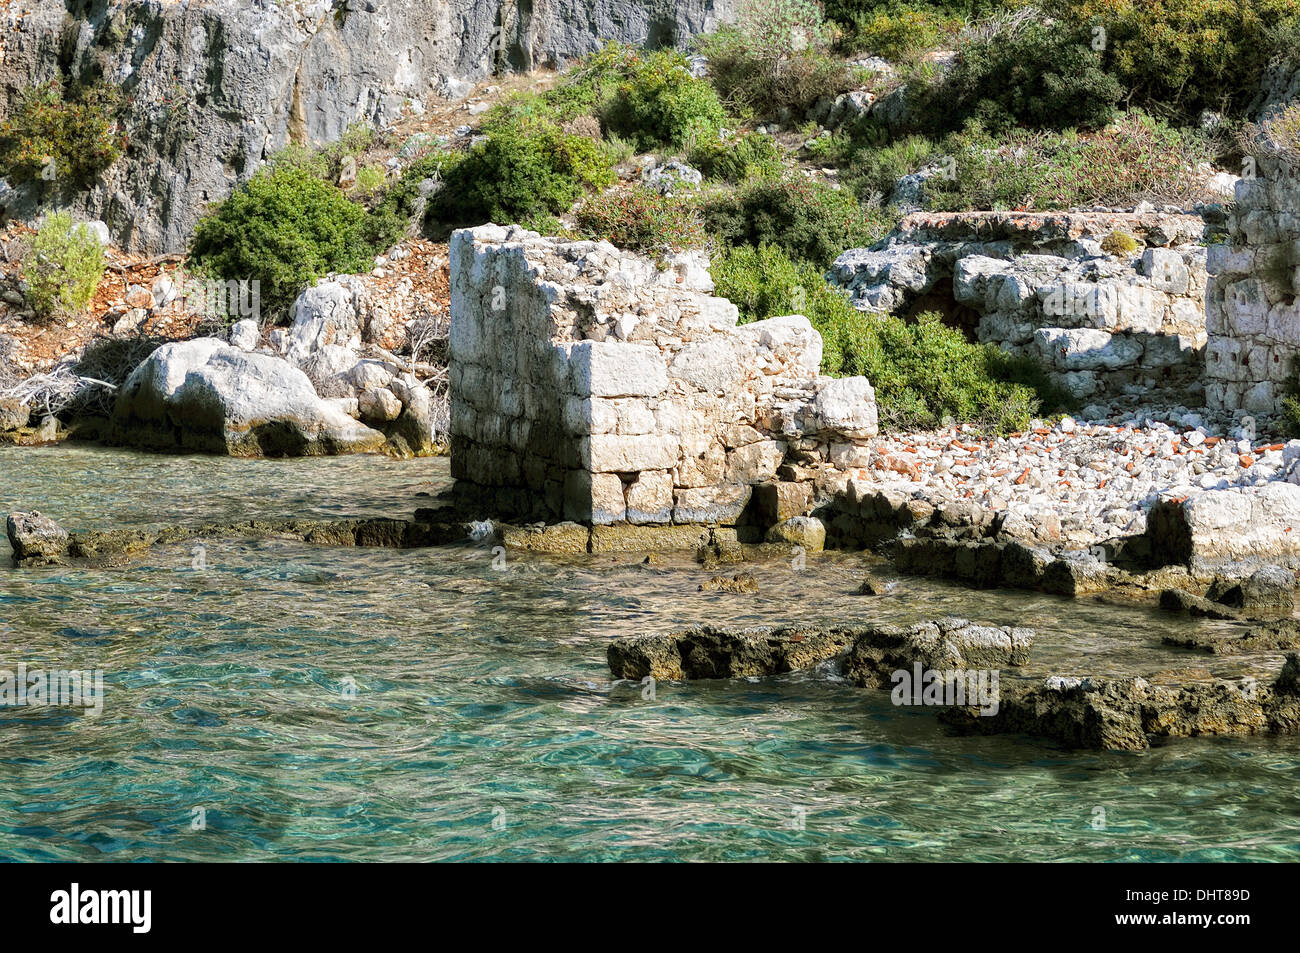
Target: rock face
column 1041, row 284
column 215, row 86
column 592, row 385
column 207, row 396
column 1252, row 311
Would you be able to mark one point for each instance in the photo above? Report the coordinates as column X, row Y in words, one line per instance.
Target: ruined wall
column 1102, row 321
column 1252, row 316
column 593, row 385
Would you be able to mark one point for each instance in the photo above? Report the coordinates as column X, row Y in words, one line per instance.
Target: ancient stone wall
column 1103, row 320
column 1252, row 316
column 592, row 385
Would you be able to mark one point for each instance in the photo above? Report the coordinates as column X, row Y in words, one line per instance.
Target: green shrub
column 873, row 171
column 66, row 139
column 640, row 219
column 370, row 178
column 649, row 100
column 1136, row 158
column 1030, row 74
column 1119, row 243
column 749, row 156
column 520, row 172
column 390, row 220
column 775, row 57
column 1188, row 55
column 897, row 30
column 922, row 372
column 283, row 228
column 845, row 12
column 62, row 267
column 657, row 103
column 809, row 220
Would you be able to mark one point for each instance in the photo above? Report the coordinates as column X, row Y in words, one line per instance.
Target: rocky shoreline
column 981, row 688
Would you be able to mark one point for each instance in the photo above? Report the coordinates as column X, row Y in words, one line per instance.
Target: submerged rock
column 38, row 540
column 1180, row 600
column 712, row 652
column 1269, row 638
column 871, row 586
column 949, row 644
column 741, row 582
column 205, row 395
column 1126, row 714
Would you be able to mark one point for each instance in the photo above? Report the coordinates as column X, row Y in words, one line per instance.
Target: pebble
column 1098, row 476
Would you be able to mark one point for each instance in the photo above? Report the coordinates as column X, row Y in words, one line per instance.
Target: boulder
column 245, row 335
column 206, row 396
column 805, row 531
column 36, row 539
column 1271, row 588
column 846, row 406
column 324, row 316
column 13, row 413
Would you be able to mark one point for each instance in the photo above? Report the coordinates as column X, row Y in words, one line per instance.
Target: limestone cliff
column 215, row 86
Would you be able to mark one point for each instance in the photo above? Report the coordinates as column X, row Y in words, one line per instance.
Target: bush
column 1138, row 158
column 873, row 171
column 62, row 267
column 657, row 103
column 750, row 156
column 845, row 12
column 283, row 228
column 64, row 139
column 522, row 171
column 1184, row 56
column 1119, row 243
column 808, row 220
column 922, row 372
column 651, row 100
column 640, row 219
column 775, row 58
column 390, row 220
column 1028, row 74
column 897, row 30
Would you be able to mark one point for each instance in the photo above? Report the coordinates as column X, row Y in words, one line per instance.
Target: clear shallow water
column 484, row 724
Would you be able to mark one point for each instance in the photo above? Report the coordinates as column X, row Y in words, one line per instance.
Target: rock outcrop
column 35, row 539
column 713, row 652
column 216, row 86
column 1127, row 714
column 594, row 385
column 204, row 395
column 943, row 645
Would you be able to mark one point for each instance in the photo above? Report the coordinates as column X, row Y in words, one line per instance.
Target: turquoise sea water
column 349, row 704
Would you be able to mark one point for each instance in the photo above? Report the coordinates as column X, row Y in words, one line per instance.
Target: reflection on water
column 296, row 702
